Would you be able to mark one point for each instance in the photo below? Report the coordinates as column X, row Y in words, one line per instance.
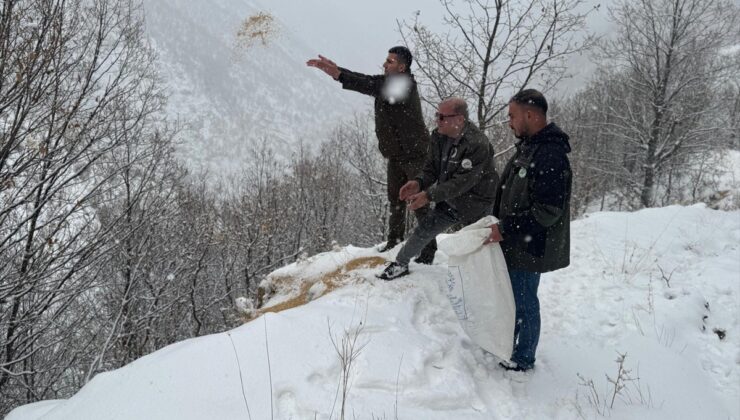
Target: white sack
column 479, row 288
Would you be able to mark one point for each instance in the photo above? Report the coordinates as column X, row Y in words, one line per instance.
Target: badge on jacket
column 522, row 172
column 467, row 164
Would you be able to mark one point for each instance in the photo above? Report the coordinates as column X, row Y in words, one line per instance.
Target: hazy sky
column 356, row 34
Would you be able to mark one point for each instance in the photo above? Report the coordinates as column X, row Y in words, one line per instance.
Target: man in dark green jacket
column 533, row 208
column 459, row 176
column 399, row 125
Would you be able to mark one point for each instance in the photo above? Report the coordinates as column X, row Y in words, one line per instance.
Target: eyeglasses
column 441, row 117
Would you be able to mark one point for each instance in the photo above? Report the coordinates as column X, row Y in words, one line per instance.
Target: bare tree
column 493, row 49
column 143, row 214
column 67, row 70
column 603, row 163
column 366, row 171
column 668, row 54
column 729, row 98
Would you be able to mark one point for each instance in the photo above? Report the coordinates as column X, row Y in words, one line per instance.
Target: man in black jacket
column 399, row 125
column 533, row 208
column 459, row 176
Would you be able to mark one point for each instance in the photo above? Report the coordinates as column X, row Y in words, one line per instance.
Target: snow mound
column 659, row 285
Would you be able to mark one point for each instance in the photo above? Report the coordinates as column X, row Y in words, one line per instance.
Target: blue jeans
column 527, row 329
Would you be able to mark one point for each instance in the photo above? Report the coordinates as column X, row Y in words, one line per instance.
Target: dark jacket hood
column 550, row 134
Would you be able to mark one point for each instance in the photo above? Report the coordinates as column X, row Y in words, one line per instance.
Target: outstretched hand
column 324, row 64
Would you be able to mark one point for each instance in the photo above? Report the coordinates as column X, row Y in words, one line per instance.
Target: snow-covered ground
column 659, row 285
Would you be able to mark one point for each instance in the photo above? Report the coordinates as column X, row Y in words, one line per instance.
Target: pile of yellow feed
column 331, row 281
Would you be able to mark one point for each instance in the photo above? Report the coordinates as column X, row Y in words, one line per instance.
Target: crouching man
column 458, row 175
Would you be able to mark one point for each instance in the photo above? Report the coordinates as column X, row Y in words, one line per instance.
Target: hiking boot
column 388, row 245
column 394, row 270
column 427, row 254
column 424, row 259
column 513, row 366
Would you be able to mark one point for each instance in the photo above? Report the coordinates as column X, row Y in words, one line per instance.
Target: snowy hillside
column 232, row 96
column 659, row 285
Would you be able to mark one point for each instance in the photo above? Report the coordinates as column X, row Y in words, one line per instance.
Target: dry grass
column 332, row 281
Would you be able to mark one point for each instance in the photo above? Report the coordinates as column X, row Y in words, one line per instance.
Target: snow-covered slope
column 232, row 96
column 659, row 285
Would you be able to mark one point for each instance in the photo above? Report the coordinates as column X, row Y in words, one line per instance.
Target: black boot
column 427, row 254
column 389, row 245
column 513, row 366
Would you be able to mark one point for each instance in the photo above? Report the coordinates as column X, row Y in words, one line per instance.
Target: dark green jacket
column 399, row 124
column 533, row 203
column 461, row 174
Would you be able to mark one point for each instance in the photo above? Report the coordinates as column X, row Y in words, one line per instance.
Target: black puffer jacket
column 533, row 203
column 399, row 124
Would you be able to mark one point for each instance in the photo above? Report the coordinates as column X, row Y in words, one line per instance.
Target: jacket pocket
column 536, row 245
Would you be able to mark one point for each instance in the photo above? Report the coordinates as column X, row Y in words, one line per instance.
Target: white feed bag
column 479, row 288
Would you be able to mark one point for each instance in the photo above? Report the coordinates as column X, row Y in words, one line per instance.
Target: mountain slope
column 233, row 96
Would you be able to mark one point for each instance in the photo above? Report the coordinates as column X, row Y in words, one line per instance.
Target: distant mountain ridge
column 231, row 98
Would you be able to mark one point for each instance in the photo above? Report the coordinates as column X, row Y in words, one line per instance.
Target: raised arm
column 324, row 64
column 368, row 85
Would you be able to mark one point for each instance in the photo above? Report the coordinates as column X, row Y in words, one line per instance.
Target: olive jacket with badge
column 533, row 203
column 461, row 173
column 399, row 123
